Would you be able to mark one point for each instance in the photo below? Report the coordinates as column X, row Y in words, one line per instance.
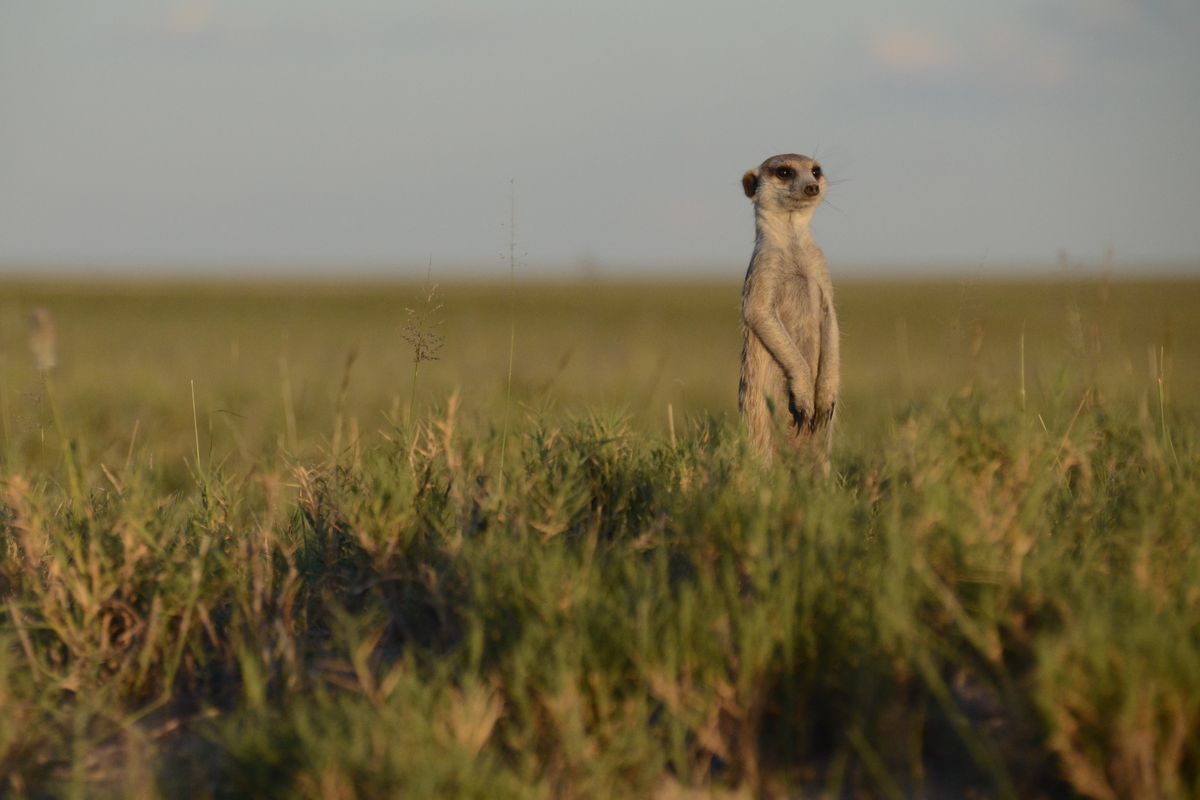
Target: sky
column 390, row 138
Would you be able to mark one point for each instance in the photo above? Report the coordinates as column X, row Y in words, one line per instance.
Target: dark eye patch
column 817, row 172
column 785, row 173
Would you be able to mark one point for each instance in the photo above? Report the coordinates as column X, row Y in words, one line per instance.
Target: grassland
column 249, row 548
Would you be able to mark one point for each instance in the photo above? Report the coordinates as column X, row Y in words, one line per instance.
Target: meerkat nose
column 812, row 190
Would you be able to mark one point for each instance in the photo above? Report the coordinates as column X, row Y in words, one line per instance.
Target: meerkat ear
column 750, row 183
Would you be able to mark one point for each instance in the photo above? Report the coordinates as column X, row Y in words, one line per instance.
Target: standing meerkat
column 789, row 378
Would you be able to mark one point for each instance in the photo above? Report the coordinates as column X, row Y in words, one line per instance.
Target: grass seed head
column 421, row 329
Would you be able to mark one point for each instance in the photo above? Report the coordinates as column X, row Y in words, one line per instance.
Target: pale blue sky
column 206, row 136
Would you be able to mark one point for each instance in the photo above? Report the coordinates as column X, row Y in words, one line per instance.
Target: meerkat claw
column 799, row 418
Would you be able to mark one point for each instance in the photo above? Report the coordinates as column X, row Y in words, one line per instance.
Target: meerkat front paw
column 823, row 415
column 800, row 405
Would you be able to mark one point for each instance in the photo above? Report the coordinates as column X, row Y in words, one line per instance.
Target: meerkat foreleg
column 759, row 315
column 828, row 375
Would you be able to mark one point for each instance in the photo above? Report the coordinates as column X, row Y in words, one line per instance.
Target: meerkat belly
column 806, row 336
column 799, row 311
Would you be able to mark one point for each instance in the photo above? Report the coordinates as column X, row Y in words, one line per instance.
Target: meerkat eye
column 817, row 172
column 785, row 173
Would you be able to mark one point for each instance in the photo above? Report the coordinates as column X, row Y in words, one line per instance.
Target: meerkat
column 789, row 382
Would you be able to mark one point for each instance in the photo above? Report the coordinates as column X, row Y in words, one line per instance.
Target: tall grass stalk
column 1021, row 390
column 512, row 318
column 904, row 361
column 43, row 343
column 1066, row 437
column 200, row 471
column 1162, row 402
column 5, row 418
column 340, row 406
column 420, row 331
column 137, row 423
column 289, row 410
column 74, row 477
column 671, row 425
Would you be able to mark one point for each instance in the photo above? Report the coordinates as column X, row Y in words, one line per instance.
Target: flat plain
column 367, row 540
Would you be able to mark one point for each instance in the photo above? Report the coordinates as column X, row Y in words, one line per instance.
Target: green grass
column 300, row 591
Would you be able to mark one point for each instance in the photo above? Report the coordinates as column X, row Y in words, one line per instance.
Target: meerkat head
column 786, row 182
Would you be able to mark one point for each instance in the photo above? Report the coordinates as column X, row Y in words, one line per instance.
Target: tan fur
column 789, row 383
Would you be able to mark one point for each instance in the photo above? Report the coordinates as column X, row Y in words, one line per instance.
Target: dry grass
column 996, row 593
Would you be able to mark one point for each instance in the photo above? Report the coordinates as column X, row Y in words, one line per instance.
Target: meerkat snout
column 812, row 190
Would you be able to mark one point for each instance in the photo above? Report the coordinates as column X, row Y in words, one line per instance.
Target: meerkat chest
column 800, row 302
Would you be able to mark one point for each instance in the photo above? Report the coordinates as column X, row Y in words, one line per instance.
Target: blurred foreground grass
column 997, row 592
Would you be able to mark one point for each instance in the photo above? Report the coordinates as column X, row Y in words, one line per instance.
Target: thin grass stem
column 1021, row 390
column 1162, row 404
column 196, row 433
column 74, row 476
column 512, row 319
